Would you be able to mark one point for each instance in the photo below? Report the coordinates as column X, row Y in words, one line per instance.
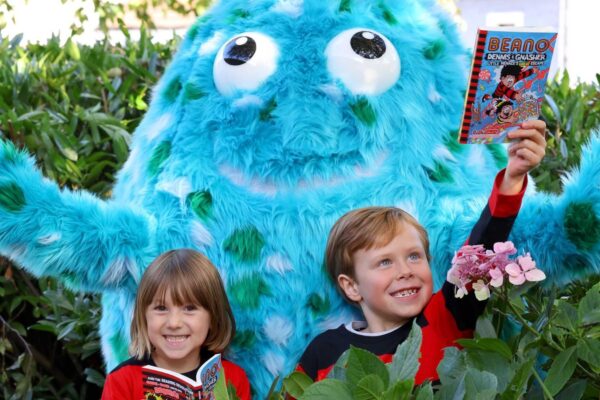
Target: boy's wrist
column 512, row 184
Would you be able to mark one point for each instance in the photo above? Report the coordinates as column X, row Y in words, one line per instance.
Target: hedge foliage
column 74, row 108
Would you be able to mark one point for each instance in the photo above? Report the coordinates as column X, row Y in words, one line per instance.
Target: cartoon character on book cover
column 274, row 119
column 519, row 65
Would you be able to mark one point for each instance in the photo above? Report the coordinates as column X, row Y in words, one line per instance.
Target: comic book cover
column 506, row 86
column 163, row 384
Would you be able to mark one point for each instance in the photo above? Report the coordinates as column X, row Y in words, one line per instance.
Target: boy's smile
column 176, row 332
column 392, row 283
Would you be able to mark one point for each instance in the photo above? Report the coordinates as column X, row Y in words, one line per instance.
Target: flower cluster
column 481, row 268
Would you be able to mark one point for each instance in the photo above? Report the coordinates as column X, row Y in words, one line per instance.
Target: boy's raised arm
column 524, row 154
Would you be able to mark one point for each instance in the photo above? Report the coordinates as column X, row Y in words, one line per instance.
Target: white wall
column 582, row 56
column 577, row 23
column 546, row 13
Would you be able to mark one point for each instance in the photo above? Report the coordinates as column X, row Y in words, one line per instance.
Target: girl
column 181, row 317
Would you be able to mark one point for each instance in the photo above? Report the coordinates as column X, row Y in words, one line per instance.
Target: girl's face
column 176, row 333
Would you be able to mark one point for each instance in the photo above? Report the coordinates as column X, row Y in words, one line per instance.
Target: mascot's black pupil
column 368, row 45
column 239, row 50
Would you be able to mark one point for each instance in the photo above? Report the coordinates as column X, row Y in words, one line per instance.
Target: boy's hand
column 524, row 154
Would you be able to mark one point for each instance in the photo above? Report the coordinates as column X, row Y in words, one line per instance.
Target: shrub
column 74, row 108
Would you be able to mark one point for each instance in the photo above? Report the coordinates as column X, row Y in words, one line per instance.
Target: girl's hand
column 524, row 154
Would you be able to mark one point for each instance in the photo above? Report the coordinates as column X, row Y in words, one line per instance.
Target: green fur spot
column 575, row 263
column 318, row 305
column 582, row 225
column 160, row 155
column 364, row 111
column 451, row 142
column 265, row 113
column 247, row 291
column 10, row 153
column 440, row 173
column 200, row 203
column 118, row 345
column 236, row 14
column 434, row 49
column 11, row 197
column 192, row 92
column 172, row 90
column 499, row 154
column 387, row 15
column 193, row 31
column 245, row 244
column 244, row 339
column 345, row 6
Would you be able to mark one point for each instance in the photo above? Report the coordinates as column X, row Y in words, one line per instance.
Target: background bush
column 74, row 108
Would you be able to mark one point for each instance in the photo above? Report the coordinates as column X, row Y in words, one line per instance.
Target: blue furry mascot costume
column 274, row 119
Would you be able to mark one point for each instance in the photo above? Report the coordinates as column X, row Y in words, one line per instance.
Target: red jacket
column 125, row 381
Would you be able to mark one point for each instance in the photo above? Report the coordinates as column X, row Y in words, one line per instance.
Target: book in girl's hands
column 160, row 383
column 506, row 86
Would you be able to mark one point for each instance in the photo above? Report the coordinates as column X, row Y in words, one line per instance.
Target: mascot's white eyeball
column 364, row 60
column 244, row 62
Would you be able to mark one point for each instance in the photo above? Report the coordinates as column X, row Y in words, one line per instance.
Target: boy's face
column 508, row 80
column 393, row 283
column 506, row 111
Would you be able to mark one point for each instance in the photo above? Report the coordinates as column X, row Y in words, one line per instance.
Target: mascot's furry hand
column 275, row 118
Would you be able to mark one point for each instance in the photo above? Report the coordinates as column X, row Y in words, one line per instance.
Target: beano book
column 506, row 86
column 163, row 384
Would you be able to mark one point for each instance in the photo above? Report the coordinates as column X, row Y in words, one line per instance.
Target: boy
column 379, row 257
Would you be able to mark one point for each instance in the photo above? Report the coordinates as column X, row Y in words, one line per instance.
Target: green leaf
column 72, row 50
column 561, row 370
column 296, row 383
column 566, row 316
column 484, row 328
column 399, row 391
column 589, row 351
column 43, row 327
column 93, row 376
column 589, row 307
column 493, row 363
column 369, row 387
column 518, row 384
column 339, row 369
column 487, row 344
column 424, row 392
column 574, row 391
column 480, row 385
column 405, row 362
column 362, row 363
column 453, row 366
column 327, row 389
column 68, row 328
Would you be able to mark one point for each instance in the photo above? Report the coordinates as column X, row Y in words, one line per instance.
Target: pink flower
column 473, row 263
column 524, row 270
column 504, row 248
column 497, row 277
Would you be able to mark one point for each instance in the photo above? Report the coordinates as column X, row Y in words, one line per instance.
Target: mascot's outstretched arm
column 563, row 233
column 75, row 236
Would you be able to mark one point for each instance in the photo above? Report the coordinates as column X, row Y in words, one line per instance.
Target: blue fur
column 296, row 174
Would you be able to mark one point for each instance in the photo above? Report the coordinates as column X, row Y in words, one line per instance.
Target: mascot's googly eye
column 364, row 60
column 244, row 62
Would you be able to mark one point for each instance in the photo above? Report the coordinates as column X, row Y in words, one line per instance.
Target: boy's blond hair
column 364, row 229
column 189, row 277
